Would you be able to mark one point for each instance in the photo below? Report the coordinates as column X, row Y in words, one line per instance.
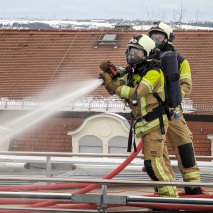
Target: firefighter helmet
column 142, row 42
column 140, row 48
column 164, row 28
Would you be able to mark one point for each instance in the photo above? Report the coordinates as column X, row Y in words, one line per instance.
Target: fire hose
column 90, row 187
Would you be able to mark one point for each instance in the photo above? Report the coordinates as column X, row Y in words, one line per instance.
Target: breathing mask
column 135, row 56
column 159, row 39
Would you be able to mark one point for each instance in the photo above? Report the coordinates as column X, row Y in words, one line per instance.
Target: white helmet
column 140, row 48
column 164, row 28
column 142, row 42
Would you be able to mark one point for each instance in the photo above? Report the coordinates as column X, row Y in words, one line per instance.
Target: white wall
column 105, row 131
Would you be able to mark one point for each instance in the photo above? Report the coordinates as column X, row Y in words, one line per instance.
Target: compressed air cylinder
column 169, row 62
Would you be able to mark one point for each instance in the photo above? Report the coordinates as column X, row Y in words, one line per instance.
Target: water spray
column 22, row 123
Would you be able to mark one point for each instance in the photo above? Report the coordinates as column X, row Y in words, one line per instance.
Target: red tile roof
column 32, row 61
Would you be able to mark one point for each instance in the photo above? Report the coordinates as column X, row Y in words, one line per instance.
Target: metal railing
column 84, row 104
column 103, row 198
column 93, row 103
column 48, row 156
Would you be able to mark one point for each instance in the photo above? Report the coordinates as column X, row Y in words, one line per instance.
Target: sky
column 151, row 10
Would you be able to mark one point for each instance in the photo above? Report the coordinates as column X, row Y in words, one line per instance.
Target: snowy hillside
column 87, row 24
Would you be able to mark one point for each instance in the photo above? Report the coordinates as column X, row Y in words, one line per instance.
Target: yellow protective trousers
column 154, row 162
column 180, row 138
column 167, row 160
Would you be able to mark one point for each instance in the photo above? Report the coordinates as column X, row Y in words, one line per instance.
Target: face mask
column 159, row 39
column 135, row 56
column 161, row 45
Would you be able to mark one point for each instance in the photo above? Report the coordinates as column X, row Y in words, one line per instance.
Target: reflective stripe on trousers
column 192, row 177
column 170, row 191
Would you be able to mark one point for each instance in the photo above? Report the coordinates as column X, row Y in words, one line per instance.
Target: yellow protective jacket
column 152, row 81
column 185, row 78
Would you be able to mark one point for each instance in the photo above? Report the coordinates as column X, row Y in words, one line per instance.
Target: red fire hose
column 90, row 187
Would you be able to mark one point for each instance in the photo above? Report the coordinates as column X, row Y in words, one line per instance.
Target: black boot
column 195, row 191
column 188, row 190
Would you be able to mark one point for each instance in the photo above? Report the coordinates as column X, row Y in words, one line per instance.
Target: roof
column 33, row 61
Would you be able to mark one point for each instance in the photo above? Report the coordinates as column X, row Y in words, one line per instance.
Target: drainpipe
column 10, row 165
column 210, row 137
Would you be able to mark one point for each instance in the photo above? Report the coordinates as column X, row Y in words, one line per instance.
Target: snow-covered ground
column 84, row 24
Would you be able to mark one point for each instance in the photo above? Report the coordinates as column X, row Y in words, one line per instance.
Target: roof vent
column 123, row 26
column 108, row 39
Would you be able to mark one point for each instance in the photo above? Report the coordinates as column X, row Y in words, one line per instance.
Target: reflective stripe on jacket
column 185, row 78
column 153, row 81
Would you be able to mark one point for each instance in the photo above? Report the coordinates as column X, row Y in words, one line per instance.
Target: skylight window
column 108, row 39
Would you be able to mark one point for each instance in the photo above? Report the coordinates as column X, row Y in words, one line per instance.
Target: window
column 118, row 144
column 90, row 144
column 108, row 39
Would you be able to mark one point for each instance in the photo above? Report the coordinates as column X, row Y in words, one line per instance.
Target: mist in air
column 61, row 98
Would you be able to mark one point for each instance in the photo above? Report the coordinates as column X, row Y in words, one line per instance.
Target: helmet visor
column 158, row 37
column 135, row 56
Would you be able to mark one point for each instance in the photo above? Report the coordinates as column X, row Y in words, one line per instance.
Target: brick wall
column 200, row 130
column 51, row 136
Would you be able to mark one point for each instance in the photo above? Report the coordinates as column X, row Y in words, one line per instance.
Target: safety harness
column 157, row 112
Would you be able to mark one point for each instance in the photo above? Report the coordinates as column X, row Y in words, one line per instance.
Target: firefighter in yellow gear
column 179, row 135
column 138, row 87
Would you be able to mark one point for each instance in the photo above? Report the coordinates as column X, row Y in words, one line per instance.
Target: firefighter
column 179, row 135
column 138, row 88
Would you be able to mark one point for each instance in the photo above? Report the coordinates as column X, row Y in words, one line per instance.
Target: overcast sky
column 165, row 10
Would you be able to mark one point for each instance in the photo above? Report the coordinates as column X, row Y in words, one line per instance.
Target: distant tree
column 36, row 25
column 179, row 15
column 197, row 15
column 155, row 15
